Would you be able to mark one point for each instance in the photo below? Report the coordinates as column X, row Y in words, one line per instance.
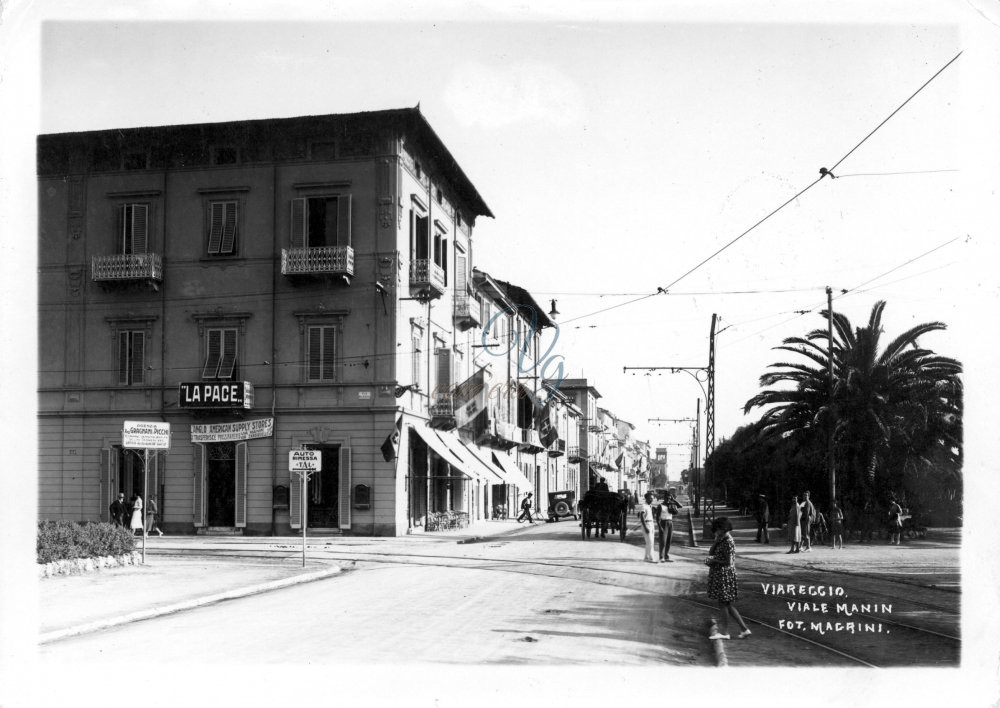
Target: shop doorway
column 221, row 479
column 323, row 490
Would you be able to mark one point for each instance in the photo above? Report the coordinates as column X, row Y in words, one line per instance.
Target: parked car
column 562, row 505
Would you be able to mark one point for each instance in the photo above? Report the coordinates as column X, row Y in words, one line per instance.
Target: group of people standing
column 128, row 514
column 658, row 521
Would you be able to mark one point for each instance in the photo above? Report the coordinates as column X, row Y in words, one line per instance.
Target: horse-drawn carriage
column 601, row 512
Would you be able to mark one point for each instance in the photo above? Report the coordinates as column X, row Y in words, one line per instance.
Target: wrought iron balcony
column 558, row 448
column 576, row 454
column 530, row 442
column 443, row 413
column 467, row 314
column 427, row 276
column 324, row 260
column 127, row 268
column 508, row 435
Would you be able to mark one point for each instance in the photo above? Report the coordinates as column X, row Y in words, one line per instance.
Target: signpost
column 304, row 463
column 146, row 436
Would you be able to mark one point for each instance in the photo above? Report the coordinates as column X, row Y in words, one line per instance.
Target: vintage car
column 562, row 505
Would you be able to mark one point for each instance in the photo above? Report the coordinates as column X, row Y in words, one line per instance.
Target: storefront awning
column 493, row 473
column 449, row 448
column 511, row 473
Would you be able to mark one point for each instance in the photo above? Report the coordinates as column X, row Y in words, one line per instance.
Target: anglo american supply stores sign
column 216, row 394
column 233, row 432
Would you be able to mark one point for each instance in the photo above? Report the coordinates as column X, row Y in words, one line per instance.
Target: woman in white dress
column 136, row 524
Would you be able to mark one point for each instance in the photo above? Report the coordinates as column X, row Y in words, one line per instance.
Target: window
column 321, row 352
column 131, row 357
column 221, row 355
column 441, row 253
column 223, row 226
column 419, row 233
column 321, row 221
column 133, row 228
column 416, row 375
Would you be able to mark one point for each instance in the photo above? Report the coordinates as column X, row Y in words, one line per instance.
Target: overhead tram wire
column 823, row 173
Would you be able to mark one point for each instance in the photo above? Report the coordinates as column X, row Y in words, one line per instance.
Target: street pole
column 305, row 511
column 829, row 455
column 145, row 490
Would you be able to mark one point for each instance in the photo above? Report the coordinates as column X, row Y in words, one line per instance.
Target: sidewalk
column 174, row 578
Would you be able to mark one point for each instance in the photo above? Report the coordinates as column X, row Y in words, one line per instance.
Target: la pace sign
column 216, row 394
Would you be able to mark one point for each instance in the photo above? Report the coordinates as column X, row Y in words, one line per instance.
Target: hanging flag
column 618, row 462
column 470, row 399
column 390, row 448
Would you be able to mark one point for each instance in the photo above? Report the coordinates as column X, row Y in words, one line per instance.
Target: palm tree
column 892, row 412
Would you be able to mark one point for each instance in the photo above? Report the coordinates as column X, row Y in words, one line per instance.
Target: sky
column 620, row 147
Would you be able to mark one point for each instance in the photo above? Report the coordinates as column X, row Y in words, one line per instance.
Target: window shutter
column 241, row 485
column 140, row 226
column 213, row 354
column 294, row 500
column 215, row 221
column 329, row 339
column 315, row 353
column 443, row 356
column 106, row 496
column 198, row 495
column 344, row 493
column 124, row 217
column 423, row 246
column 298, row 239
column 229, row 228
column 461, row 288
column 138, row 356
column 123, row 362
column 229, row 354
column 444, row 259
column 344, row 220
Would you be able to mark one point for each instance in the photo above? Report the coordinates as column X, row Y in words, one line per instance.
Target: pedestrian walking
column 646, row 524
column 722, row 581
column 117, row 511
column 837, row 525
column 152, row 516
column 665, row 523
column 794, row 530
column 136, row 524
column 807, row 520
column 526, row 510
column 895, row 522
column 763, row 514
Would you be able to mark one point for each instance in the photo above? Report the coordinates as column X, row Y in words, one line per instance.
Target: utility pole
column 710, row 406
column 829, row 454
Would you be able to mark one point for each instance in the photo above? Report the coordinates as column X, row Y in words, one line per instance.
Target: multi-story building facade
column 263, row 287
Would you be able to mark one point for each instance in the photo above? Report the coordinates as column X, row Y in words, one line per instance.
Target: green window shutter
column 344, row 220
column 198, row 493
column 241, row 485
column 138, row 357
column 216, row 218
column 230, row 225
column 227, row 365
column 213, row 354
column 294, row 500
column 298, row 235
column 140, row 226
column 344, row 492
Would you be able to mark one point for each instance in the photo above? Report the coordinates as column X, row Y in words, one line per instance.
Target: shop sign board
column 215, row 394
column 146, row 435
column 305, row 461
column 228, row 432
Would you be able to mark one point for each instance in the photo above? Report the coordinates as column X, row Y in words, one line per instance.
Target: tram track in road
column 640, row 581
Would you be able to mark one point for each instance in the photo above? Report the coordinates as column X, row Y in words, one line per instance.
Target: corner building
column 264, row 286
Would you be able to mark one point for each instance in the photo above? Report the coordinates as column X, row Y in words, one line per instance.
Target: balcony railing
column 508, row 435
column 443, row 413
column 427, row 275
column 576, row 454
column 467, row 314
column 324, row 260
column 124, row 267
column 530, row 442
column 558, row 448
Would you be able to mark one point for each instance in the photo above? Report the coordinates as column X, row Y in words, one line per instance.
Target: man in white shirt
column 647, row 525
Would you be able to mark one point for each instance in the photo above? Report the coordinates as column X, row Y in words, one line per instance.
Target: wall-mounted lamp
column 400, row 390
column 554, row 311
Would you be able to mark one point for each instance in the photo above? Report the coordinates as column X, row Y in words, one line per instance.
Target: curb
column 717, row 647
column 99, row 625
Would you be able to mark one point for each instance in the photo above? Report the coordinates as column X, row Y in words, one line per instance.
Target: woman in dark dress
column 722, row 585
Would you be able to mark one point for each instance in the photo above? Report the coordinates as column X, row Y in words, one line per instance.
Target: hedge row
column 66, row 540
